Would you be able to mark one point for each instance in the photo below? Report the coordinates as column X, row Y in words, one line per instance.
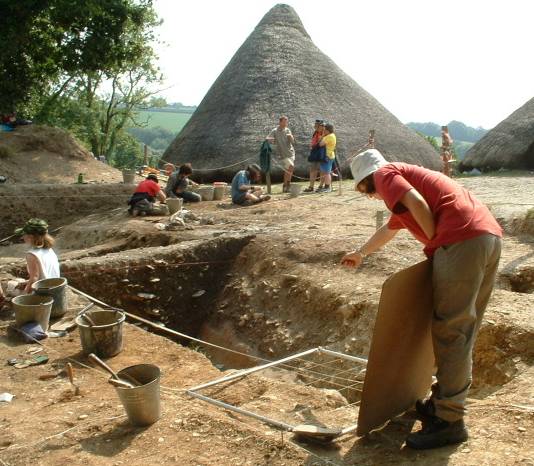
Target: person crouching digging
column 143, row 200
column 179, row 183
column 463, row 241
column 243, row 193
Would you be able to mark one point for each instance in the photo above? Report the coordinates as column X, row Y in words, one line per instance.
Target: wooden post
column 371, row 140
column 268, row 181
column 446, row 156
column 340, row 177
column 145, row 162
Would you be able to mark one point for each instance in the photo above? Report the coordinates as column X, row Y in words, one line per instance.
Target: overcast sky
column 424, row 60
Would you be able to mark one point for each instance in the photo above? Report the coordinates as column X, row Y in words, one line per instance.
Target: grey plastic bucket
column 32, row 308
column 219, row 188
column 174, row 204
column 105, row 337
column 128, row 176
column 142, row 404
column 57, row 289
column 206, row 192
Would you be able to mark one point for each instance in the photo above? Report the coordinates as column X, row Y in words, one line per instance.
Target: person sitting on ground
column 181, row 183
column 41, row 260
column 12, row 121
column 243, row 193
column 463, row 241
column 284, row 141
column 329, row 142
column 315, row 155
column 143, row 199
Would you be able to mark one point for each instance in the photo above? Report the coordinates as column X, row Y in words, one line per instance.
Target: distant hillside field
column 169, row 120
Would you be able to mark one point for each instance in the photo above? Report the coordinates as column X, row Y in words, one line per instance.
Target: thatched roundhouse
column 278, row 70
column 509, row 145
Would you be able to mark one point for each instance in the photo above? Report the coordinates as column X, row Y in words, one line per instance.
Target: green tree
column 97, row 69
column 431, row 140
column 48, row 44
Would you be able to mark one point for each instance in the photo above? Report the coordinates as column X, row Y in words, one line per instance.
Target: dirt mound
column 49, row 155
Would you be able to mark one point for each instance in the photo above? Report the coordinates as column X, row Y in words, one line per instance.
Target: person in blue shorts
column 329, row 142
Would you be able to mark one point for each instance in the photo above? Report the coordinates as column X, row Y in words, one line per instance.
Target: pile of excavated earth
column 265, row 282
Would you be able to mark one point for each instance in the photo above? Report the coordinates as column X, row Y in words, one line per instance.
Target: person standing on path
column 463, row 240
column 284, row 141
column 329, row 142
column 315, row 154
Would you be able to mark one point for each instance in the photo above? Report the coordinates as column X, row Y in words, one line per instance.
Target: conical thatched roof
column 278, row 70
column 510, row 144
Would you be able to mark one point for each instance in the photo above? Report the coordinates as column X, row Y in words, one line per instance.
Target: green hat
column 34, row 226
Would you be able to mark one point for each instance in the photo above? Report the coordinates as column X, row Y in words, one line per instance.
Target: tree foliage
column 157, row 138
column 46, row 41
column 84, row 65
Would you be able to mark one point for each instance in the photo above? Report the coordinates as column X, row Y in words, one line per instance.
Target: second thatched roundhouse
column 509, row 145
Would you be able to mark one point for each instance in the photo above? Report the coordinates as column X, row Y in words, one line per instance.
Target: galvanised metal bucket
column 105, row 337
column 142, row 404
column 57, row 289
column 32, row 308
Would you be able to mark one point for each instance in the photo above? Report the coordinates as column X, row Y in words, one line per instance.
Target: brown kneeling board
column 401, row 359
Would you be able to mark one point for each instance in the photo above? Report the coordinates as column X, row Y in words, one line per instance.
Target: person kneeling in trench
column 243, row 193
column 463, row 240
column 143, row 199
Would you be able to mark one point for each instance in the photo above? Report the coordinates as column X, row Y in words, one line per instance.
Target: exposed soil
column 42, row 165
column 59, row 204
column 41, row 154
column 263, row 281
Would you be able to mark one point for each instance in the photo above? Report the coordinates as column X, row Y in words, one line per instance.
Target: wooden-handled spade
column 124, row 381
column 315, row 433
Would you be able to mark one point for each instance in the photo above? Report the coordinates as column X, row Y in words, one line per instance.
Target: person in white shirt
column 41, row 260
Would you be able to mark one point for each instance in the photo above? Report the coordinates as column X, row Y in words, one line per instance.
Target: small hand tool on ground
column 70, row 374
column 124, row 381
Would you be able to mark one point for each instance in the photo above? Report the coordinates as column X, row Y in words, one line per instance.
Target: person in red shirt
column 144, row 198
column 463, row 240
column 315, row 162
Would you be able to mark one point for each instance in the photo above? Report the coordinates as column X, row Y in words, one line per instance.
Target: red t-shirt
column 148, row 186
column 458, row 215
column 316, row 138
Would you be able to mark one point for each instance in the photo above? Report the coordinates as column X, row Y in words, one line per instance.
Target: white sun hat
column 365, row 163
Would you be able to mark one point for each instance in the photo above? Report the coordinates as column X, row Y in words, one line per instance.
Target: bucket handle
column 86, row 317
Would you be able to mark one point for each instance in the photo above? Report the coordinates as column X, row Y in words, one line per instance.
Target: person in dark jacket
column 179, row 183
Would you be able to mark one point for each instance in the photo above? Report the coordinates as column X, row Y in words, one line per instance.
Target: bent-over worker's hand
column 352, row 259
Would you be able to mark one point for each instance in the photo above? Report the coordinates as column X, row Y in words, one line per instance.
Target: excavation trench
column 227, row 291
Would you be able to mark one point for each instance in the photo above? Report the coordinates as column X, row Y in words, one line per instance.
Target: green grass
column 169, row 120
